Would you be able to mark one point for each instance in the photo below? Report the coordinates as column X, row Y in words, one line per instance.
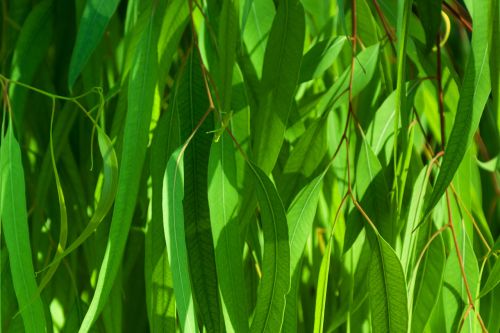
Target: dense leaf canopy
column 250, row 166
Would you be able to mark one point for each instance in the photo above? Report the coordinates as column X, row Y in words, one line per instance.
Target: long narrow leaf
column 275, row 281
column 173, row 223
column 140, row 105
column 223, row 200
column 473, row 95
column 95, row 18
column 388, row 300
column 16, row 234
column 279, row 79
column 192, row 104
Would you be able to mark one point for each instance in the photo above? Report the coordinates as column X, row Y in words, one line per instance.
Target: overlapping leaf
column 388, row 300
column 173, row 223
column 473, row 95
column 95, row 18
column 140, row 105
column 279, row 80
column 275, row 281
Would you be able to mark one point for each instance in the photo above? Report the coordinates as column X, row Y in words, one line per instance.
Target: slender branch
column 461, row 263
column 455, row 13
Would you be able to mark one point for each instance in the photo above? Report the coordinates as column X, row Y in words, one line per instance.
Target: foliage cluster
column 250, row 166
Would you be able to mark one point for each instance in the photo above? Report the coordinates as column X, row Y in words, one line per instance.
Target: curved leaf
column 324, row 270
column 473, row 96
column 388, row 300
column 31, row 48
column 300, row 217
column 173, row 224
column 16, row 234
column 107, row 195
column 224, row 202
column 279, row 80
column 140, row 105
column 95, row 18
column 275, row 281
column 159, row 290
column 454, row 290
column 192, row 103
column 320, row 57
column 493, row 279
column 429, row 283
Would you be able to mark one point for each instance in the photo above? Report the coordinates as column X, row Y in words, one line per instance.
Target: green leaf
column 309, row 150
column 473, row 96
column 400, row 103
column 107, row 195
column 361, row 77
column 493, row 279
column 140, row 106
column 388, row 300
column 192, row 104
column 300, row 217
column 95, row 18
column 275, row 281
column 173, row 223
column 430, row 16
column 256, row 28
column 454, row 289
column 324, row 270
column 228, row 38
column 31, row 48
column 371, row 188
column 63, row 213
column 224, row 202
column 429, row 282
column 320, row 57
column 409, row 256
column 494, row 55
column 279, row 80
column 16, row 234
column 159, row 287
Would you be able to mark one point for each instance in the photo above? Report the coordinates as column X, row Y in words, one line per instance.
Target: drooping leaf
column 159, row 287
column 324, row 270
column 388, row 300
column 31, row 48
column 473, row 95
column 372, row 191
column 400, row 103
column 224, row 202
column 275, row 282
column 228, row 37
column 428, row 284
column 493, row 279
column 192, row 104
column 107, row 195
column 16, row 234
column 309, row 150
column 63, row 213
column 95, row 18
column 368, row 58
column 300, row 217
column 320, row 57
column 256, row 30
column 140, row 105
column 279, row 80
column 173, row 223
